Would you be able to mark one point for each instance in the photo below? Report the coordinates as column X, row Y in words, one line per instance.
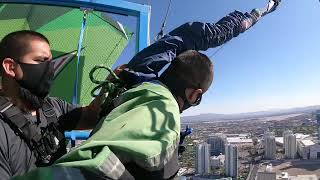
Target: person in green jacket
column 139, row 138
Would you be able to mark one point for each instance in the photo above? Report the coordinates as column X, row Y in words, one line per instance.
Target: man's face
column 39, row 51
column 30, row 76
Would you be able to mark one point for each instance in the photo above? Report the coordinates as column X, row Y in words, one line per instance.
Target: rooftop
column 301, row 136
column 235, row 140
column 307, row 142
column 279, row 140
column 304, row 177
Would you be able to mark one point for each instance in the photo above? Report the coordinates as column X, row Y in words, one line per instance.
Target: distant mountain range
column 249, row 115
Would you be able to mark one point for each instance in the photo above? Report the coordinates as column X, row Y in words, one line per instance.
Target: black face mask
column 187, row 104
column 177, row 88
column 37, row 80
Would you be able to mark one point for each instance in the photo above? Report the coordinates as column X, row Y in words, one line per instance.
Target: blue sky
column 273, row 65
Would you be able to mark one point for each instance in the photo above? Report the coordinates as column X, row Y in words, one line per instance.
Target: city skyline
column 287, row 143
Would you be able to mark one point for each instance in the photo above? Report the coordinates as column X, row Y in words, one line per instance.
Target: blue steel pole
column 76, row 135
column 143, row 39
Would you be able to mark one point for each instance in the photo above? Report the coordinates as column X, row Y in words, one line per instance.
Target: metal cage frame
column 142, row 12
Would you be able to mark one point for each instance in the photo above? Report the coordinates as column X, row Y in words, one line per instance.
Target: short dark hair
column 16, row 44
column 192, row 68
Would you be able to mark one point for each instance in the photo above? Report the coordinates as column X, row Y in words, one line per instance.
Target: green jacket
column 140, row 137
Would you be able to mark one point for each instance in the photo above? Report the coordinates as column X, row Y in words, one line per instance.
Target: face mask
column 187, row 104
column 37, row 78
column 177, row 88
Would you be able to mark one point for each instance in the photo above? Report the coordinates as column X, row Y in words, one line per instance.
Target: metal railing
column 76, row 135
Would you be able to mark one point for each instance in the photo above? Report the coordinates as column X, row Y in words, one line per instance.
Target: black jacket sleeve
column 68, row 114
column 190, row 36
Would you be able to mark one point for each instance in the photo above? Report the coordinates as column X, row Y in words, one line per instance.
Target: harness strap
column 48, row 112
column 5, row 105
column 52, row 118
column 44, row 142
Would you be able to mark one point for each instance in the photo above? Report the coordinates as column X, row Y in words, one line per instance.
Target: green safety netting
column 104, row 40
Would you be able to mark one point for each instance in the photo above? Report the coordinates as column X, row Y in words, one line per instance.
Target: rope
column 105, row 85
column 75, row 86
column 93, row 78
column 161, row 33
column 110, row 87
column 215, row 52
column 167, row 13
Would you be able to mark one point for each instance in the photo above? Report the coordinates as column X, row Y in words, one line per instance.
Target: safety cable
column 215, row 52
column 161, row 33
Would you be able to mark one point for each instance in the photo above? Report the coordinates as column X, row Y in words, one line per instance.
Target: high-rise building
column 284, row 134
column 318, row 134
column 268, row 174
column 318, row 124
column 269, row 146
column 267, row 134
column 308, row 149
column 203, row 159
column 290, row 146
column 217, row 144
column 231, row 160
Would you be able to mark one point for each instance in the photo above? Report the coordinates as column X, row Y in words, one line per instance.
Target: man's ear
column 193, row 94
column 8, row 66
